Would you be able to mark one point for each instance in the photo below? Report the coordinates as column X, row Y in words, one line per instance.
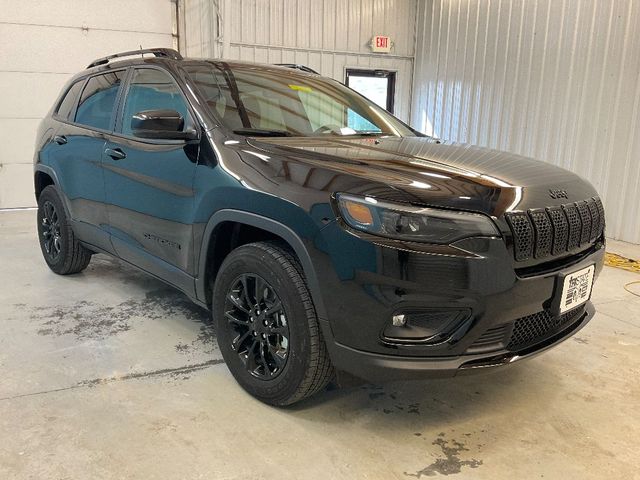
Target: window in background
column 377, row 85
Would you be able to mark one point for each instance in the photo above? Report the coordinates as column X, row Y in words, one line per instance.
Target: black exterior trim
column 272, row 226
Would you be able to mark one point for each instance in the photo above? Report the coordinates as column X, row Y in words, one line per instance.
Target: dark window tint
column 98, row 100
column 69, row 100
column 152, row 89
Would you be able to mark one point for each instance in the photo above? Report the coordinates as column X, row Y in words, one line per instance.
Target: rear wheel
column 267, row 326
column 61, row 249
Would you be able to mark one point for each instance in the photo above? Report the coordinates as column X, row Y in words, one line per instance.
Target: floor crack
column 129, row 376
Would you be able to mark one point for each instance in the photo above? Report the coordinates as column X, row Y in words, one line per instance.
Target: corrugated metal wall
column 558, row 80
column 326, row 35
column 42, row 45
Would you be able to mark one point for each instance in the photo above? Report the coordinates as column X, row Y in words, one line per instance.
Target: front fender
column 270, row 225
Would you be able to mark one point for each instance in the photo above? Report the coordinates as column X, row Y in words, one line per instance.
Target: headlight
column 417, row 224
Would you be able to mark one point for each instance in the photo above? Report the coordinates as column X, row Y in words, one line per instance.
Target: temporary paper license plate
column 576, row 288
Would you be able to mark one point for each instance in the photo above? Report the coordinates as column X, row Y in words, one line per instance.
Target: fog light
column 423, row 326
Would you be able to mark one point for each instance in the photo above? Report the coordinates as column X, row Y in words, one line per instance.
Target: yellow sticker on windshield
column 301, row 88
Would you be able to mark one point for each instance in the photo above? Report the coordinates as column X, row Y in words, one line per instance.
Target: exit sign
column 381, row 44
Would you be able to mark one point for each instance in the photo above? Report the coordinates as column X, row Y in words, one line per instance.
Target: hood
column 423, row 171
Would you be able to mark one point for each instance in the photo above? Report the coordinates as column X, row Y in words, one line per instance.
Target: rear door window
column 98, row 100
column 68, row 103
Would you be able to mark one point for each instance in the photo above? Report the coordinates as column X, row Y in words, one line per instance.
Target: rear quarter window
column 98, row 100
column 69, row 100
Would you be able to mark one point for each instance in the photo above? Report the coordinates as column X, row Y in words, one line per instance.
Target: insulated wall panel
column 557, row 80
column 43, row 44
column 326, row 35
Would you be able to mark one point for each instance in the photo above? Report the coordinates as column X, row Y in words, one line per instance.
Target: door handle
column 115, row 153
column 60, row 139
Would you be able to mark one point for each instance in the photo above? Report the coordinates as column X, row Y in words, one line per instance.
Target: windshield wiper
column 262, row 132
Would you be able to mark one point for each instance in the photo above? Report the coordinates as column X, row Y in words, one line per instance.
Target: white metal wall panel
column 326, row 35
column 43, row 43
column 557, row 80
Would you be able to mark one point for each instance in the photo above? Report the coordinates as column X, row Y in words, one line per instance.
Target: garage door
column 43, row 43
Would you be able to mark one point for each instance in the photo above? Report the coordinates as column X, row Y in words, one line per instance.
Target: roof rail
column 158, row 52
column 297, row 66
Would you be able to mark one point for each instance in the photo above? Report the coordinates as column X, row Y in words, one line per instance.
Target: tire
column 291, row 333
column 61, row 249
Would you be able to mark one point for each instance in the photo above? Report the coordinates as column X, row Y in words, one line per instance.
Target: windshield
column 254, row 100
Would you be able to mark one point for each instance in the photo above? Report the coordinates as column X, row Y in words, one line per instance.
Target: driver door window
column 152, row 89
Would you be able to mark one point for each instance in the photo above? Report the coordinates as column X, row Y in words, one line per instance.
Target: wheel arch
column 42, row 178
column 272, row 227
column 47, row 176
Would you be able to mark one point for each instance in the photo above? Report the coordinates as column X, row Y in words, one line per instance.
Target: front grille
column 534, row 328
column 541, row 233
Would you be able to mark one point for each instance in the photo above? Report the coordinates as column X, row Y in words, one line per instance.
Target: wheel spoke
column 280, row 330
column 239, row 341
column 278, row 360
column 273, row 308
column 236, row 320
column 263, row 359
column 251, row 358
column 260, row 288
column 237, row 303
column 245, row 290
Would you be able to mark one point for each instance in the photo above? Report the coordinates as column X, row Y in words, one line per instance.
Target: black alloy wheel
column 62, row 250
column 51, row 237
column 266, row 325
column 256, row 315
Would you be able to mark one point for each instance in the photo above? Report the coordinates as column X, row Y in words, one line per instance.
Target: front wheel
column 61, row 249
column 267, row 327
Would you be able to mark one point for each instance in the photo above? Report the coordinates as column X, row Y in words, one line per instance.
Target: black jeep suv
column 323, row 233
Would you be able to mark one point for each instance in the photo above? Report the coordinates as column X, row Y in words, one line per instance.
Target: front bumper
column 369, row 283
column 379, row 367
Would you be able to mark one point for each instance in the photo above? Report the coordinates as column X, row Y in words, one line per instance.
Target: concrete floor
column 110, row 374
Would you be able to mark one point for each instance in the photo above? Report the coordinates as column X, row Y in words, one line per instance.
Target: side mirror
column 161, row 124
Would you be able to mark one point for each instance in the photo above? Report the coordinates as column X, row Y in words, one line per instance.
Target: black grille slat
column 556, row 230
column 560, row 229
column 600, row 208
column 575, row 225
column 543, row 233
column 535, row 328
column 595, row 220
column 585, row 216
column 522, row 235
